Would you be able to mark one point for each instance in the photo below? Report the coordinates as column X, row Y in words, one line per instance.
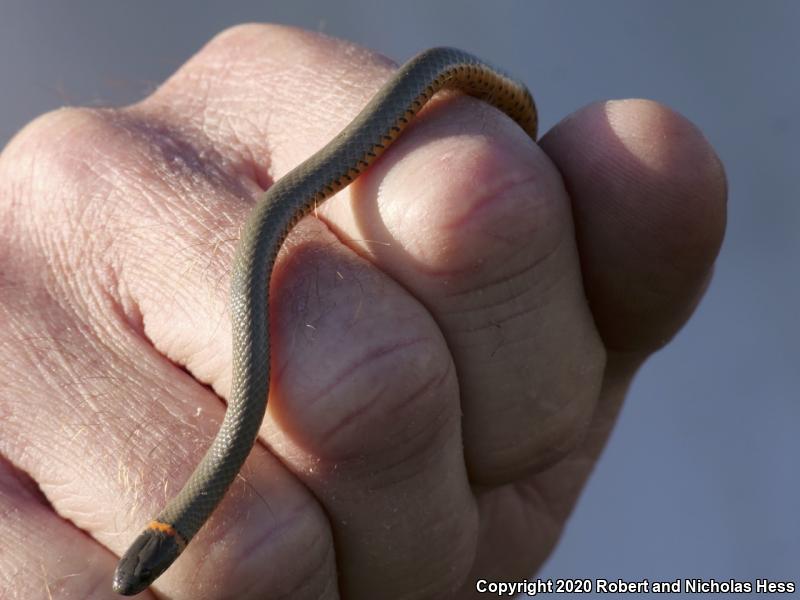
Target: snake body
column 290, row 199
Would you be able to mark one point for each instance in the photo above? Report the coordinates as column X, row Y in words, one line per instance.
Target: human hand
column 451, row 339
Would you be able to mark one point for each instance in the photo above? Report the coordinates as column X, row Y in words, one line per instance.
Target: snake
column 276, row 212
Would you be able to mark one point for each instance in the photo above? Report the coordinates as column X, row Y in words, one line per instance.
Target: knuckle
column 252, row 38
column 52, row 155
column 244, row 33
column 51, row 175
column 40, row 165
column 56, row 140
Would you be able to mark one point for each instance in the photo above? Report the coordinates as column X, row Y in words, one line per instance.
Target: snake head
column 149, row 556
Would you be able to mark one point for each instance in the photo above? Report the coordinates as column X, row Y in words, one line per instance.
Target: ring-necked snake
column 278, row 210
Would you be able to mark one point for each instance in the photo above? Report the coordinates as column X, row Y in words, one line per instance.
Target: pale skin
column 453, row 336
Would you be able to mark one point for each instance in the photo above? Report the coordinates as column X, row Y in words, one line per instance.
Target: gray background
column 700, row 478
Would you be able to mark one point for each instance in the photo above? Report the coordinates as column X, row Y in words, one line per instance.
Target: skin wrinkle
column 407, row 466
column 346, row 376
column 490, row 331
column 255, row 170
column 535, row 496
column 535, row 492
column 508, row 281
column 486, row 323
column 483, row 321
column 120, row 339
column 500, row 192
column 410, row 399
column 42, row 357
column 175, row 157
column 212, row 120
column 561, row 429
column 275, row 528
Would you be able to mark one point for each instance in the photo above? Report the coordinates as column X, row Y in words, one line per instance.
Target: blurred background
column 701, row 477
